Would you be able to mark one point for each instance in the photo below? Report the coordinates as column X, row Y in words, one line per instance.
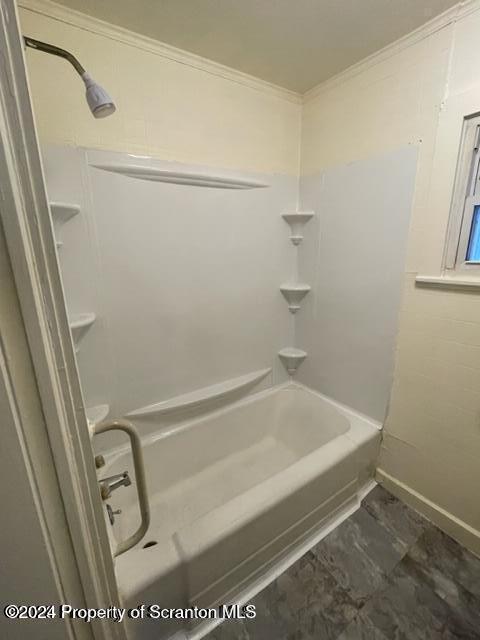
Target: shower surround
column 185, row 270
column 202, row 303
column 183, row 278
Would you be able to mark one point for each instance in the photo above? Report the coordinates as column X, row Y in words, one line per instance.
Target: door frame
column 30, row 244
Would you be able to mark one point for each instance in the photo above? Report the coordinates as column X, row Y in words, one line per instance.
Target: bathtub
column 233, row 494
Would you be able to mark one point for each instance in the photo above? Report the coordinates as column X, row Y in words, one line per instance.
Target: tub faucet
column 111, row 514
column 108, row 485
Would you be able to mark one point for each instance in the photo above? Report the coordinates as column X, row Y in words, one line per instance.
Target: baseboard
column 447, row 522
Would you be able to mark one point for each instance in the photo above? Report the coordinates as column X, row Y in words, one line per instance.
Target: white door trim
column 26, row 223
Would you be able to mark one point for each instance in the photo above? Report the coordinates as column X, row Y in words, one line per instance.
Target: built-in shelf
column 199, row 397
column 297, row 220
column 97, row 414
column 180, row 177
column 294, row 294
column 292, row 358
column 79, row 325
column 61, row 213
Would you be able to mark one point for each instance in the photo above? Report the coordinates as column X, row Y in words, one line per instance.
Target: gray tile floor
column 385, row 573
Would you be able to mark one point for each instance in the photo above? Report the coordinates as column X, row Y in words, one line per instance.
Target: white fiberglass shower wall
column 182, row 278
column 353, row 256
column 181, row 281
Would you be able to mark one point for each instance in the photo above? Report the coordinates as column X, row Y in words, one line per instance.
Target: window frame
column 466, row 196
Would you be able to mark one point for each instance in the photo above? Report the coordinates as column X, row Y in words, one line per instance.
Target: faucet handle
column 108, row 485
column 111, row 514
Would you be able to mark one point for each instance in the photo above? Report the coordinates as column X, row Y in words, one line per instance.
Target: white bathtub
column 236, row 492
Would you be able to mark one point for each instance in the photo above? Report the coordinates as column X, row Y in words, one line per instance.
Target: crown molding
column 130, row 38
column 452, row 15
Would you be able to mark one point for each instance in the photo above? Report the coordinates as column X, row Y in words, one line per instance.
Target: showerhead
column 99, row 102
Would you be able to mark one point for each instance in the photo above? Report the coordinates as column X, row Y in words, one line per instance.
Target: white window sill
column 448, row 282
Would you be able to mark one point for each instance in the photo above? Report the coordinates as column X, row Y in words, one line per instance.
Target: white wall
column 184, row 280
column 417, row 94
column 353, row 256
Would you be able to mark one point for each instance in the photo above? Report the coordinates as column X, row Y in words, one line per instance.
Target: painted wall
column 166, row 108
column 416, row 95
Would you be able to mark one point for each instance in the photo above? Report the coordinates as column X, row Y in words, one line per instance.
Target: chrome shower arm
column 99, row 101
column 56, row 51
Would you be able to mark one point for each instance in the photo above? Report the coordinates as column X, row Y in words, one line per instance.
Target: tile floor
column 385, row 573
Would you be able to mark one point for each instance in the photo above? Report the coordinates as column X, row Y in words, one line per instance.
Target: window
column 463, row 246
column 473, row 250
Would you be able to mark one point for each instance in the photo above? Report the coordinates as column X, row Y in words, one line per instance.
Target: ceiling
column 292, row 43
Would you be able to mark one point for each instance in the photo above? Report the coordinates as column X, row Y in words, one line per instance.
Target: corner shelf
column 294, row 294
column 61, row 213
column 297, row 220
column 79, row 325
column 97, row 414
column 292, row 358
